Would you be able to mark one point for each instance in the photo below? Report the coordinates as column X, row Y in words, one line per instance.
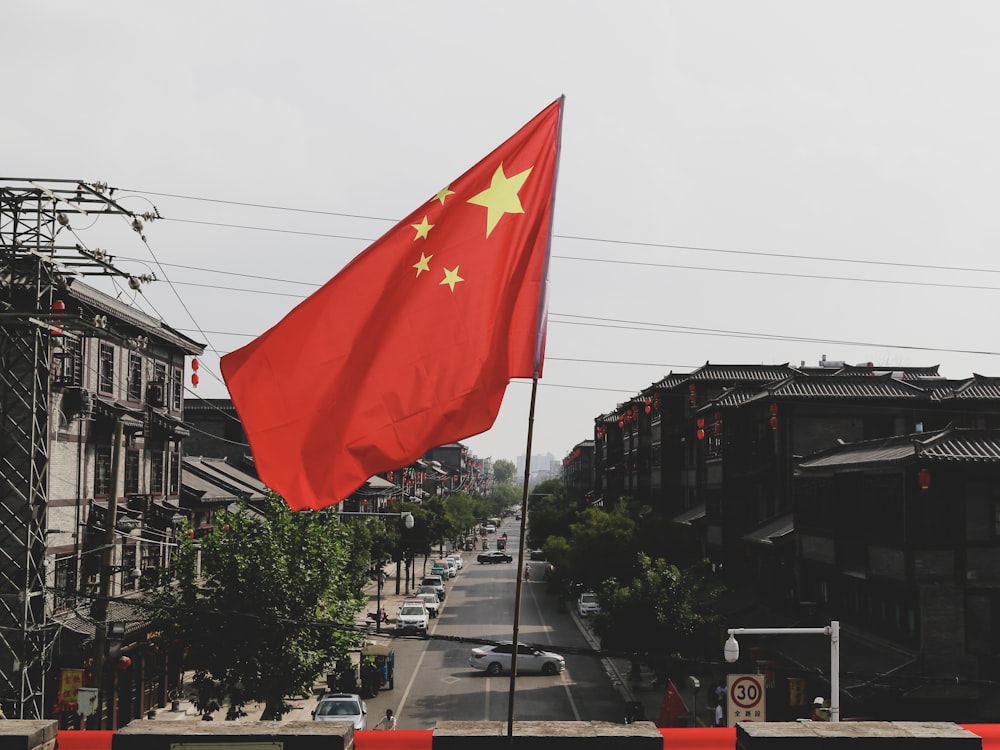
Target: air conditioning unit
column 154, row 393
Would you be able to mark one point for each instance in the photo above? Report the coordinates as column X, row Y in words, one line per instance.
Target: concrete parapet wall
column 289, row 735
column 855, row 735
column 20, row 734
column 549, row 735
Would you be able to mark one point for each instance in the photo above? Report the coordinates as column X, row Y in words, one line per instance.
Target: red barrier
column 707, row 738
column 80, row 739
column 397, row 739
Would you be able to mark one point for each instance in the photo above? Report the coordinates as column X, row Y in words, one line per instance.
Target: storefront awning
column 772, row 532
column 688, row 517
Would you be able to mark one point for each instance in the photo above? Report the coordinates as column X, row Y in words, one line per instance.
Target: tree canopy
column 263, row 602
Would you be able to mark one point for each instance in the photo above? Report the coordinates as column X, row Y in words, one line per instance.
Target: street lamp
column 732, row 653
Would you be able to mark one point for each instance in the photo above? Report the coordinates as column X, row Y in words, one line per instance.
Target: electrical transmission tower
column 34, row 265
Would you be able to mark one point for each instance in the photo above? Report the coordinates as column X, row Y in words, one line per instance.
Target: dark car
column 493, row 557
column 537, row 554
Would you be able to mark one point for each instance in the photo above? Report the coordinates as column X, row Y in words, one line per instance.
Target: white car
column 452, row 566
column 496, row 659
column 587, row 604
column 457, row 558
column 412, row 617
column 341, row 707
column 431, row 602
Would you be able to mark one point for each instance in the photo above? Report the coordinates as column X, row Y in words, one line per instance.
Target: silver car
column 341, row 707
column 496, row 659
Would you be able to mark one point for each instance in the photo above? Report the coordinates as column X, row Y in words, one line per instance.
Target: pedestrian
column 388, row 721
column 720, row 715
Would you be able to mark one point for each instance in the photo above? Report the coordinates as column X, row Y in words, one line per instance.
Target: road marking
column 548, row 636
column 413, row 676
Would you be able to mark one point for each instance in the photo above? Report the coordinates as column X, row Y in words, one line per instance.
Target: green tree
column 268, row 609
column 504, row 471
column 662, row 611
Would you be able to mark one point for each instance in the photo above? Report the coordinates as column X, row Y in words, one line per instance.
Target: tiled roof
column 978, row 446
column 950, row 445
column 741, row 373
column 847, row 386
column 93, row 299
column 900, row 373
column 672, row 380
column 977, row 387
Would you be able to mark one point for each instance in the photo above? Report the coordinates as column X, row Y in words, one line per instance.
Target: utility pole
column 39, row 257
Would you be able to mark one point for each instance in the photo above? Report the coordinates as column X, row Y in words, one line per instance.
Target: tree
column 504, row 471
column 661, row 612
column 273, row 605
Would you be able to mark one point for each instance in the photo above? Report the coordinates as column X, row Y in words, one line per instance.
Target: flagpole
column 520, row 560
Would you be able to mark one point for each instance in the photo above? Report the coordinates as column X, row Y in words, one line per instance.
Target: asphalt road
column 434, row 681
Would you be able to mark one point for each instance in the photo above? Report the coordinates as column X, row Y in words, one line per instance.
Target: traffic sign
column 746, row 699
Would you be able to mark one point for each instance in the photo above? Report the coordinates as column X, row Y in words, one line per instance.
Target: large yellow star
column 423, row 264
column 442, row 194
column 423, row 229
column 501, row 197
column 451, row 278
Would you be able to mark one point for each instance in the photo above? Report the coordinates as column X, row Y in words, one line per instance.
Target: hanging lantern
column 773, row 421
column 194, row 379
column 58, row 308
column 195, row 365
column 124, row 663
column 692, row 393
column 701, row 428
column 648, row 409
column 924, row 477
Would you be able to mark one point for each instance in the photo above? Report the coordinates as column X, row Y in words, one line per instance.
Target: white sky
column 778, row 180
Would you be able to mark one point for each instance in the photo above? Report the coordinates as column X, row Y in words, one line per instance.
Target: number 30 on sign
column 745, row 698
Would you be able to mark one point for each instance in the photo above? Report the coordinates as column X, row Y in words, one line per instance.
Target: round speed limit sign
column 746, row 698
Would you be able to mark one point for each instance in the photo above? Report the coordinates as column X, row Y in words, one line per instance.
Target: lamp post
column 732, row 653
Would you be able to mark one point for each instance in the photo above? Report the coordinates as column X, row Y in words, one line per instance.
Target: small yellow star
column 443, row 193
column 423, row 264
column 423, row 229
column 501, row 197
column 451, row 278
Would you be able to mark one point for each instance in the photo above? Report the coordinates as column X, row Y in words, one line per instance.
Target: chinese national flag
column 413, row 343
column 673, row 707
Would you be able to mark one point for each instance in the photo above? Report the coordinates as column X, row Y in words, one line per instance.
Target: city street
column 434, row 681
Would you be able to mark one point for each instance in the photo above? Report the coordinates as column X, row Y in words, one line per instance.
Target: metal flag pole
column 520, row 562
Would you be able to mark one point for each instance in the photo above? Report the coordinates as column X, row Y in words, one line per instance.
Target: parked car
column 438, row 593
column 497, row 659
column 430, row 600
column 341, row 707
column 491, row 529
column 457, row 558
column 412, row 617
column 536, row 554
column 439, row 568
column 437, row 582
column 587, row 604
column 493, row 557
column 452, row 566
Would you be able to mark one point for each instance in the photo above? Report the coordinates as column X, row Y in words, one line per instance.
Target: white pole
column 835, row 670
column 832, row 630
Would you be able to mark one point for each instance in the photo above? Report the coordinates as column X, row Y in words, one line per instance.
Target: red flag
column 673, row 707
column 413, row 343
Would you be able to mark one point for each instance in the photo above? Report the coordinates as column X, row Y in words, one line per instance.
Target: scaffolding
column 35, row 215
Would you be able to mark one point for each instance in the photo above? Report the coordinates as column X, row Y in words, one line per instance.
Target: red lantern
column 195, row 364
column 194, row 379
column 58, row 307
column 692, row 393
column 773, row 421
column 701, row 434
column 774, row 410
column 924, row 477
column 124, row 663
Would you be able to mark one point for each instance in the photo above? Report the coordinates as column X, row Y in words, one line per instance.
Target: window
column 64, row 595
column 67, row 365
column 134, row 376
column 102, row 471
column 156, row 470
column 174, row 486
column 132, row 471
column 178, row 388
column 106, row 369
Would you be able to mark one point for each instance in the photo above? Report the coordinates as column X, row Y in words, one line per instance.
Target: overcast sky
column 740, row 182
